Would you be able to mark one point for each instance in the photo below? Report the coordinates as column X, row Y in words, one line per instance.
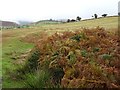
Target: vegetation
column 104, row 15
column 96, row 16
column 73, row 61
column 65, row 55
column 78, row 18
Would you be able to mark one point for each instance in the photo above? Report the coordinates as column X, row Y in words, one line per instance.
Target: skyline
column 35, row 10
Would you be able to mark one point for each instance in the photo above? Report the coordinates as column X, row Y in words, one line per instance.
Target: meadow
column 18, row 45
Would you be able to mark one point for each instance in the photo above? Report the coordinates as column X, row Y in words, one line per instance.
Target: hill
column 24, row 22
column 8, row 24
column 96, row 45
column 42, row 22
column 106, row 22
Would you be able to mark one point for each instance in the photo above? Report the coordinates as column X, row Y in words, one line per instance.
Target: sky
column 35, row 10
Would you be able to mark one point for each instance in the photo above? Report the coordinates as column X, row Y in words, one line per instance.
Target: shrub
column 32, row 62
column 56, row 75
column 104, row 15
column 96, row 16
column 78, row 18
column 72, row 59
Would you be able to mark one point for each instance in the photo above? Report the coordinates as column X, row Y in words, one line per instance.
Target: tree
column 78, row 18
column 68, row 20
column 104, row 15
column 50, row 19
column 95, row 16
column 73, row 20
column 119, row 13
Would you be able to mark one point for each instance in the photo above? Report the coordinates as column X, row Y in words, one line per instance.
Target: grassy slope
column 108, row 23
column 12, row 43
column 8, row 66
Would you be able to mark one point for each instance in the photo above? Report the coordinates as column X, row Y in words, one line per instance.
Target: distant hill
column 8, row 24
column 48, row 22
column 24, row 22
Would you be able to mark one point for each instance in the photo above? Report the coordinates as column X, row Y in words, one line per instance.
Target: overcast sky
column 35, row 10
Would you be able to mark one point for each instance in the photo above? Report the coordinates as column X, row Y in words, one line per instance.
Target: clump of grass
column 39, row 79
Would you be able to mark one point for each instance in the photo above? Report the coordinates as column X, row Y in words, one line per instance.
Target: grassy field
column 12, row 45
column 108, row 22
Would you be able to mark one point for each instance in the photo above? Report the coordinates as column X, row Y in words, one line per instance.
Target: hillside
column 45, row 22
column 20, row 46
column 8, row 24
column 24, row 22
column 107, row 22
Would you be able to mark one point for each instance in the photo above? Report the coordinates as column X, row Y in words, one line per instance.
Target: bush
column 72, row 59
column 104, row 15
column 78, row 18
column 32, row 62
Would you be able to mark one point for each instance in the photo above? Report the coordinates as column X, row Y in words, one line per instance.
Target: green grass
column 8, row 67
column 108, row 23
column 39, row 79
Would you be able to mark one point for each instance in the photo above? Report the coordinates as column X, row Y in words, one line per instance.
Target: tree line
column 78, row 18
